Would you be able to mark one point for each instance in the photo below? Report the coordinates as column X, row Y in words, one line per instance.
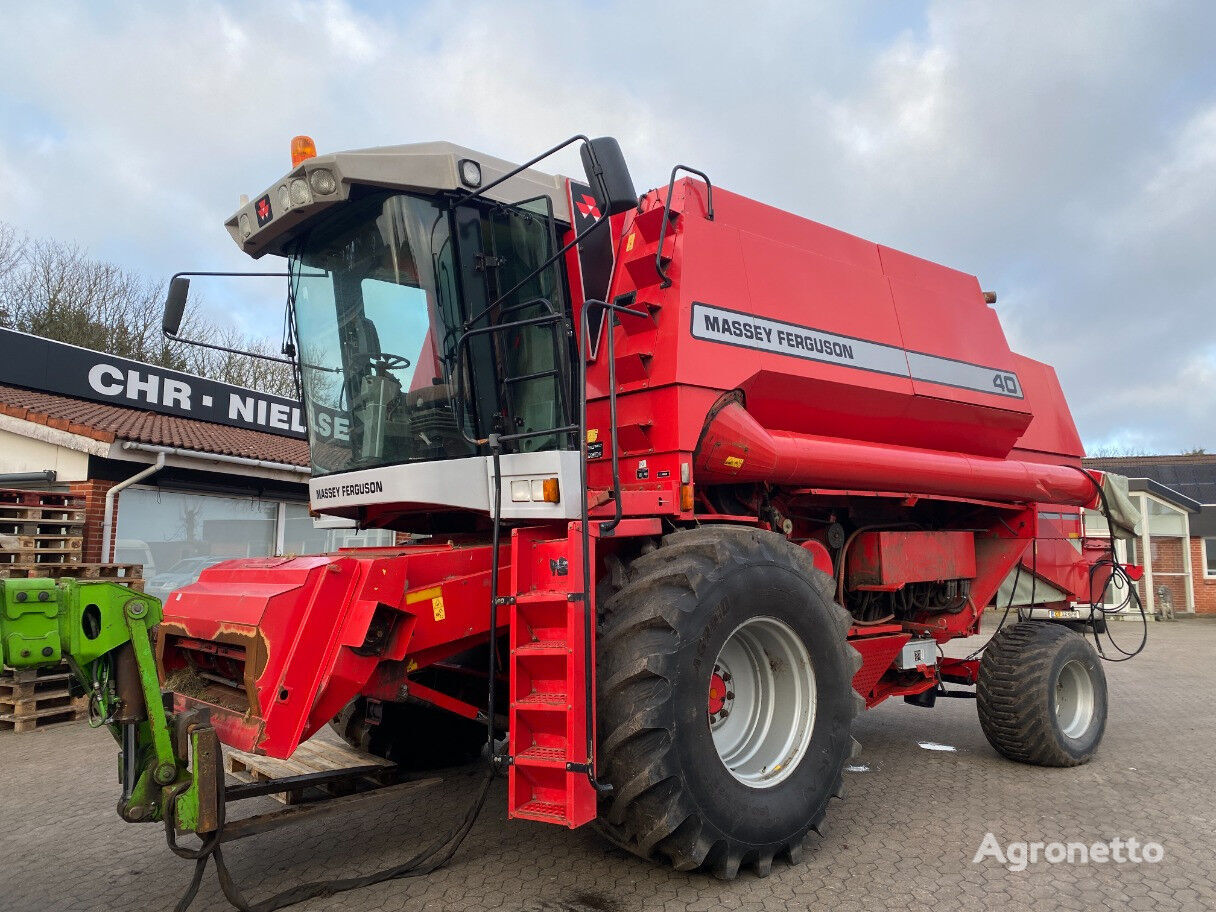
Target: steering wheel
column 386, row 361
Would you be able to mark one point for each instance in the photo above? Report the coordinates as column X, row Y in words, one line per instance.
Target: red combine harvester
column 687, row 482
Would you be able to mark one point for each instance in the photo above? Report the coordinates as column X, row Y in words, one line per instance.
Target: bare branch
column 55, row 289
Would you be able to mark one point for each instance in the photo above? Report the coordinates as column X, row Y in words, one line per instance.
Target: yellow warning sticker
column 437, row 607
column 593, row 434
column 734, row 462
column 629, row 241
column 423, row 595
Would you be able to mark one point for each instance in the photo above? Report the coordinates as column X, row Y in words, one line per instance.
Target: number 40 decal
column 1007, row 383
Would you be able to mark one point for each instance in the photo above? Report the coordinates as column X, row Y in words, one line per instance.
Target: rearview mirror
column 175, row 305
column 608, row 175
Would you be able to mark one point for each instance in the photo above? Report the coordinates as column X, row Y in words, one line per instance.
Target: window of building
column 1163, row 549
column 1209, row 557
column 176, row 535
column 302, row 536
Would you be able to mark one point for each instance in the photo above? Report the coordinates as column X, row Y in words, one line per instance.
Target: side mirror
column 608, row 175
column 175, row 305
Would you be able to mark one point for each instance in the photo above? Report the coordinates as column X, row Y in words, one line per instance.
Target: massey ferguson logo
column 262, row 210
column 717, row 324
column 587, row 207
column 349, row 490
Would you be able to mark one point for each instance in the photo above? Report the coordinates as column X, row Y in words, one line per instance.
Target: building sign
column 56, row 367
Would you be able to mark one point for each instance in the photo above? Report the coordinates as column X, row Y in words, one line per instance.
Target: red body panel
column 886, row 561
column 993, row 439
column 302, row 636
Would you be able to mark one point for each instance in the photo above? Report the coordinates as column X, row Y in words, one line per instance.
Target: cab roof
column 267, row 223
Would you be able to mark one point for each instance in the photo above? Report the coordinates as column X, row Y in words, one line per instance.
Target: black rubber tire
column 1015, row 694
column 413, row 736
column 673, row 798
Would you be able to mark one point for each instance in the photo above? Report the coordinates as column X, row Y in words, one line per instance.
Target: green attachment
column 91, row 624
column 196, row 808
column 87, row 622
column 137, row 612
column 30, row 634
column 44, row 620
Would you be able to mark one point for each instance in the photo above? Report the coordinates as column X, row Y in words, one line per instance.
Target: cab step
column 548, row 739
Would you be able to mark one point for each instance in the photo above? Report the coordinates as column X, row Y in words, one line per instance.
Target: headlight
column 322, row 182
column 535, row 490
column 300, row 195
column 284, row 198
column 470, row 172
column 246, row 230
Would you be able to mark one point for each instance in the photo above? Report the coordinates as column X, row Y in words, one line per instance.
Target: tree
column 11, row 248
column 56, row 290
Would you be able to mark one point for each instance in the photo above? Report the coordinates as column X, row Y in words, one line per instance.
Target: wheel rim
column 1074, row 699
column 762, row 702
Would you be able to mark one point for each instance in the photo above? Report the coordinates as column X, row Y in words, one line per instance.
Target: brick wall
column 1205, row 589
column 94, row 493
column 1168, row 558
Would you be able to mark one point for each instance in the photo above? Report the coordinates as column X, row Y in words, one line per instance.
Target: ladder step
column 556, row 702
column 544, row 647
column 648, row 224
column 540, row 596
column 545, row 811
column 543, row 756
column 642, row 269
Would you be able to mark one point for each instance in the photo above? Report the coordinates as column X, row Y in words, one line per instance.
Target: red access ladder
column 548, row 675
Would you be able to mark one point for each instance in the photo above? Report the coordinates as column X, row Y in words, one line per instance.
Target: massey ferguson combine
column 685, row 482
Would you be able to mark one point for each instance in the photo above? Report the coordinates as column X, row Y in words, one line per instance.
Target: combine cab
column 687, row 482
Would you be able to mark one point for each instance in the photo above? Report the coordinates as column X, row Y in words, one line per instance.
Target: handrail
column 552, row 318
column 585, row 524
column 609, row 525
column 709, row 214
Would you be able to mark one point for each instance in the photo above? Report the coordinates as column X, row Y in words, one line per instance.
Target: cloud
column 1063, row 153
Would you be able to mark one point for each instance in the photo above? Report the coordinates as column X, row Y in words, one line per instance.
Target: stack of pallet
column 31, row 698
column 40, row 527
column 130, row 575
column 42, row 535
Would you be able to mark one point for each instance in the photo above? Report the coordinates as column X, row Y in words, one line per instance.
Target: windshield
column 377, row 318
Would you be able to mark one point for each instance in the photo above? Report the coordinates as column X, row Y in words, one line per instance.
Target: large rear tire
column 1041, row 695
column 725, row 701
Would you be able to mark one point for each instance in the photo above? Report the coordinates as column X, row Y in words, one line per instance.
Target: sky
column 1065, row 153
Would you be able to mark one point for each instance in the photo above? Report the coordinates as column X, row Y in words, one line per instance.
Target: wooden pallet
column 32, row 698
column 41, row 548
column 128, row 574
column 38, row 527
column 316, row 755
column 20, row 497
column 18, row 520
